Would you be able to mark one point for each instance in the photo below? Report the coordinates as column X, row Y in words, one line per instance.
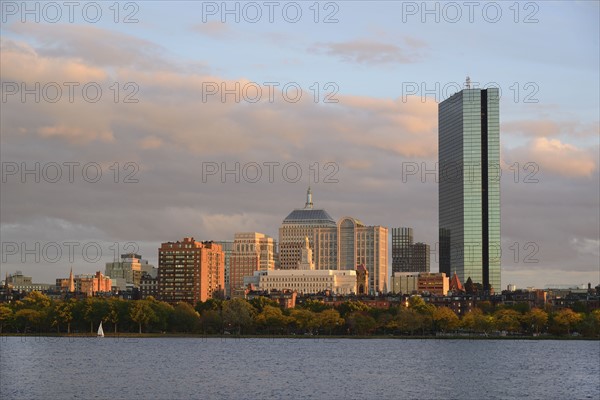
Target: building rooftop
column 309, row 215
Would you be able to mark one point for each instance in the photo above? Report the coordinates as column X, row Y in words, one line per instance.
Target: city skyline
column 370, row 154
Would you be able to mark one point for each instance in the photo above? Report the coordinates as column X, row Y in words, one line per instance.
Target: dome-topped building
column 297, row 226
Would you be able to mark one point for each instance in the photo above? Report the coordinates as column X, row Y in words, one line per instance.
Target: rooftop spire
column 309, row 203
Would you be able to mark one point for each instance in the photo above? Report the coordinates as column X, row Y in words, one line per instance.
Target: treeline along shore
column 37, row 314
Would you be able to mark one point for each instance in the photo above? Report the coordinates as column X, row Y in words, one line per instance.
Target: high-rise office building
column 252, row 251
column 402, row 240
column 129, row 271
column 419, row 257
column 335, row 246
column 190, row 271
column 297, row 226
column 469, row 186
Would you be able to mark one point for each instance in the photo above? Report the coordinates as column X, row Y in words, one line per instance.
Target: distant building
column 305, row 281
column 433, row 283
column 340, row 246
column 417, row 283
column 190, row 271
column 511, row 287
column 405, row 282
column 148, row 286
column 21, row 283
column 406, row 255
column 299, row 224
column 129, row 270
column 227, row 246
column 85, row 284
column 402, row 240
column 419, row 257
column 252, row 251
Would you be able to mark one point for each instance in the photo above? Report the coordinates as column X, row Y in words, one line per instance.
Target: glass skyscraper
column 469, row 186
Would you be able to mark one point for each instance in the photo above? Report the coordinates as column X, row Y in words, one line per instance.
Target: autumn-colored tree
column 564, row 321
column 507, row 320
column 477, row 321
column 64, row 314
column 536, row 319
column 28, row 318
column 6, row 316
column 445, row 319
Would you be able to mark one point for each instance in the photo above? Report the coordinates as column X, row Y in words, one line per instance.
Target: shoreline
column 295, row 337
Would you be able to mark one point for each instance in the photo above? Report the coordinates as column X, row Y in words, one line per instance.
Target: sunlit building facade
column 469, row 186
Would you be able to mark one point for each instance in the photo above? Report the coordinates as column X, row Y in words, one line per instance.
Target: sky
column 124, row 125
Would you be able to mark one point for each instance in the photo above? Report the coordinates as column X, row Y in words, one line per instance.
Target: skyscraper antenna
column 468, row 83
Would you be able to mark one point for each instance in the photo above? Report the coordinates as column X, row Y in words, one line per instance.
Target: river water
column 229, row 368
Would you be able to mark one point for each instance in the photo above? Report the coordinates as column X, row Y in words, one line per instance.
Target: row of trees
column 37, row 313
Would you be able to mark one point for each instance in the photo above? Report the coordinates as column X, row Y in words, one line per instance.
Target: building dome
column 309, row 215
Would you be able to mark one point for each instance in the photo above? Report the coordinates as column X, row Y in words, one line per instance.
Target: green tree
column 348, row 307
column 141, row 313
column 6, row 316
column 163, row 313
column 260, row 302
column 304, row 319
column 211, row 321
column 185, row 318
column 328, row 320
column 117, row 312
column 445, row 319
column 315, row 306
column 210, row 304
column 360, row 322
column 272, row 319
column 590, row 325
column 407, row 320
column 95, row 309
column 238, row 314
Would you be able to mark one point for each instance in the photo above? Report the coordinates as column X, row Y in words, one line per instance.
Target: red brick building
column 190, row 271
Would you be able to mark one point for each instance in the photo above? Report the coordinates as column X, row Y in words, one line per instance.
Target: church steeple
column 309, row 203
column 71, row 282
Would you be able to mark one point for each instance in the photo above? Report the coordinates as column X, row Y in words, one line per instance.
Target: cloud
column 93, row 45
column 370, row 52
column 555, row 156
column 214, row 29
column 550, row 128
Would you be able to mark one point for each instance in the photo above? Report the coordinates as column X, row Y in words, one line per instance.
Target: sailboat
column 100, row 330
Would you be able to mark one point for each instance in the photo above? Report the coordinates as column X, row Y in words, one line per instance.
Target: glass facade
column 469, row 186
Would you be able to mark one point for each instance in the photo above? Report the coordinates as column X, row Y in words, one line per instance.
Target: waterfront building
column 190, row 271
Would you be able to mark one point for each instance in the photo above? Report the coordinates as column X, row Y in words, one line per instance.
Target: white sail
column 100, row 330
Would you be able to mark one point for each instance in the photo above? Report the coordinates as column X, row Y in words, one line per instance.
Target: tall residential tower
column 469, row 186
